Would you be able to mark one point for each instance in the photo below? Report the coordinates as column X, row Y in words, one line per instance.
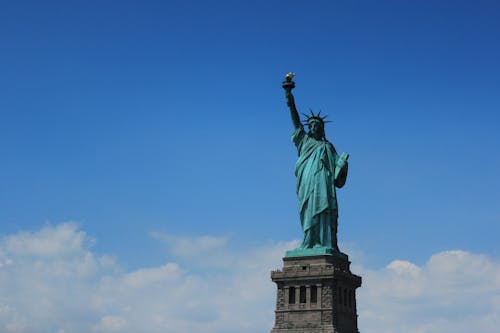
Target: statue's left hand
column 344, row 157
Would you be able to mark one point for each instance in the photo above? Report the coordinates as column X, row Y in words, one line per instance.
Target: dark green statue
column 319, row 170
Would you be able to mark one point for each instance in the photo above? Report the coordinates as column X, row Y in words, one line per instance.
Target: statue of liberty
column 319, row 170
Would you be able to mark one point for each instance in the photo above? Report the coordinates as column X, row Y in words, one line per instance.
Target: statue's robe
column 319, row 170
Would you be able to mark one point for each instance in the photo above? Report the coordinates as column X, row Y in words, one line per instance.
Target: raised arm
column 288, row 85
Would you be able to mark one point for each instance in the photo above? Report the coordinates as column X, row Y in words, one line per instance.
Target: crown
column 314, row 117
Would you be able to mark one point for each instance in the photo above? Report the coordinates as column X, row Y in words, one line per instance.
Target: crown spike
column 314, row 116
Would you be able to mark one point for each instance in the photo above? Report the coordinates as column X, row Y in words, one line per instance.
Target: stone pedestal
column 316, row 294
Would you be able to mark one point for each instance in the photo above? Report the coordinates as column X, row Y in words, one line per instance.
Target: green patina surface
column 315, row 251
column 319, row 171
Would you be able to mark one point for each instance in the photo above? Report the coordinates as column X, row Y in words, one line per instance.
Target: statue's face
column 316, row 129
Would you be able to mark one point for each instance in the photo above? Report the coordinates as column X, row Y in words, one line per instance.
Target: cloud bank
column 455, row 291
column 52, row 282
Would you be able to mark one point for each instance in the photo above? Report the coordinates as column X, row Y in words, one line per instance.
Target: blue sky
column 144, row 118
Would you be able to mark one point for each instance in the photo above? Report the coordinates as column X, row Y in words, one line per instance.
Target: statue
column 319, row 170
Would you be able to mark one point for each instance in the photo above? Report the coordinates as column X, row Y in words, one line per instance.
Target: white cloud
column 148, row 276
column 110, row 324
column 190, row 246
column 65, row 240
column 51, row 281
column 455, row 291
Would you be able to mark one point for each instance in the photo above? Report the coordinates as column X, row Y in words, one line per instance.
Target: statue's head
column 316, row 125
